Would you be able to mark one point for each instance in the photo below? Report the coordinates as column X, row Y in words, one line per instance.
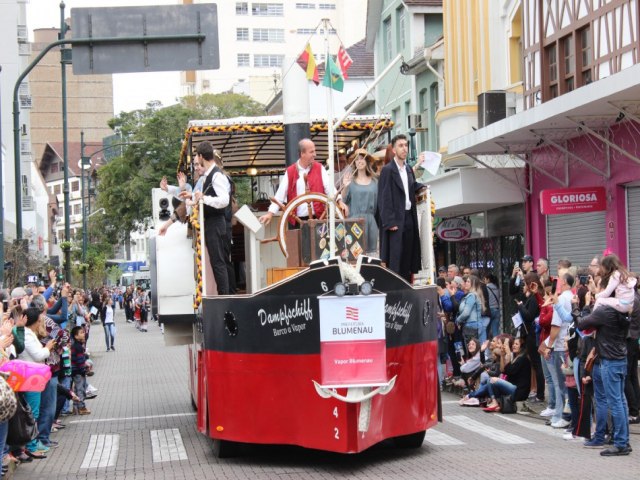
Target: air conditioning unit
column 419, row 122
column 27, row 203
column 492, row 106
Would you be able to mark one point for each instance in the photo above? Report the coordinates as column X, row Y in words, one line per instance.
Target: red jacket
column 314, row 179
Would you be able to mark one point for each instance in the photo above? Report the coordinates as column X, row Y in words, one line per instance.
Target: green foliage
column 222, row 105
column 125, row 183
column 114, row 272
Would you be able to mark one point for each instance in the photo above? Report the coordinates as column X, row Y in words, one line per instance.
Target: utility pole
column 84, row 161
column 64, row 52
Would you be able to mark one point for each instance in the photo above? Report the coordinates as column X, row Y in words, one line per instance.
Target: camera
column 584, row 279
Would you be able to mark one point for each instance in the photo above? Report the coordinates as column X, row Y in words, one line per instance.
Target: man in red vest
column 293, row 185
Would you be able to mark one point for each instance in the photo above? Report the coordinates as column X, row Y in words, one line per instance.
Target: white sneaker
column 91, row 389
column 562, row 423
column 547, row 412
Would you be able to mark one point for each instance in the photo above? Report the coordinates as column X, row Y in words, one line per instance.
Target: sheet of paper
column 431, row 162
column 517, row 320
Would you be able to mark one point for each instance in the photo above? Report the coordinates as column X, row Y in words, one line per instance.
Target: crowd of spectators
column 51, row 325
column 572, row 347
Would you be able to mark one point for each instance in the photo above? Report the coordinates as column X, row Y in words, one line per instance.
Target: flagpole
column 332, row 187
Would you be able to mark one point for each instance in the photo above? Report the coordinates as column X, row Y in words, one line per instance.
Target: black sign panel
column 284, row 319
column 137, row 56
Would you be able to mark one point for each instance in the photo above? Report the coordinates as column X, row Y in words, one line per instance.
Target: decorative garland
column 276, row 128
column 195, row 223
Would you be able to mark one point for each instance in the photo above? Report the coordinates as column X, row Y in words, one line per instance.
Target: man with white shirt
column 399, row 235
column 553, row 347
column 306, row 171
column 215, row 196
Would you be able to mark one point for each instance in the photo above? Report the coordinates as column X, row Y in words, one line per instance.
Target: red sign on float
column 573, row 200
column 352, row 340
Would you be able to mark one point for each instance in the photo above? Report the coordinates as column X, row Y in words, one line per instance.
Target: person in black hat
column 516, row 283
column 442, row 272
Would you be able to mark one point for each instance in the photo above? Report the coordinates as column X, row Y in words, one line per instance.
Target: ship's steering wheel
column 290, row 209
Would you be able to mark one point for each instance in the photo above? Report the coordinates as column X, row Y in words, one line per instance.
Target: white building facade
column 255, row 38
column 14, row 58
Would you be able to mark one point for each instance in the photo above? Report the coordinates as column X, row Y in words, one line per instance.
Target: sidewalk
column 142, row 386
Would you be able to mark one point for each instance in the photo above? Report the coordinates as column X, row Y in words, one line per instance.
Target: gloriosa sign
column 573, row 200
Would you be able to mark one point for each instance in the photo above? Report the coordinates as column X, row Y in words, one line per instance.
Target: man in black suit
column 399, row 236
column 215, row 196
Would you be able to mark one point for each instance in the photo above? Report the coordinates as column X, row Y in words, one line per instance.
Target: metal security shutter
column 578, row 237
column 633, row 228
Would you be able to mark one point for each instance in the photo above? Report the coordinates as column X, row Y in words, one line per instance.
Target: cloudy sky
column 130, row 91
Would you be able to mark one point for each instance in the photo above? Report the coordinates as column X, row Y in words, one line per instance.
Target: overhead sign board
column 130, row 55
column 573, row 200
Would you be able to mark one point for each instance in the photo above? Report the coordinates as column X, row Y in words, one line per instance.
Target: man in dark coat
column 399, row 236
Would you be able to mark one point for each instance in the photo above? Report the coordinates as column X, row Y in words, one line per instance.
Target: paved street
column 143, row 427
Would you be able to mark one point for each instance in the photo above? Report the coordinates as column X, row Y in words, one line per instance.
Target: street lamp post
column 85, row 164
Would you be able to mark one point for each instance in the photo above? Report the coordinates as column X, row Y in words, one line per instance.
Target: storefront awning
column 590, row 110
column 471, row 190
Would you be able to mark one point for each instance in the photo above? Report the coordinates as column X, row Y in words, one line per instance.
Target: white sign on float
column 353, row 340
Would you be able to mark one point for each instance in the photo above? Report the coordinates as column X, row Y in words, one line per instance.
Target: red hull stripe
column 270, row 399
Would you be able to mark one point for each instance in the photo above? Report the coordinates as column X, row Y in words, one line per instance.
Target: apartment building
column 256, row 37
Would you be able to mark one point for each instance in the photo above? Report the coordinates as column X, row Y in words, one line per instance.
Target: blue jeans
column 4, row 429
column 493, row 330
column 608, row 383
column 554, row 365
column 33, row 399
column 109, row 334
column 494, row 390
column 48, row 401
column 549, row 382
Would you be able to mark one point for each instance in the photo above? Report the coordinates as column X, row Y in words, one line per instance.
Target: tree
column 222, row 105
column 114, row 272
column 125, row 183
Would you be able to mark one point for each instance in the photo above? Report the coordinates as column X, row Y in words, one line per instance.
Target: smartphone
column 584, row 279
column 5, row 306
column 516, row 265
column 554, row 285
